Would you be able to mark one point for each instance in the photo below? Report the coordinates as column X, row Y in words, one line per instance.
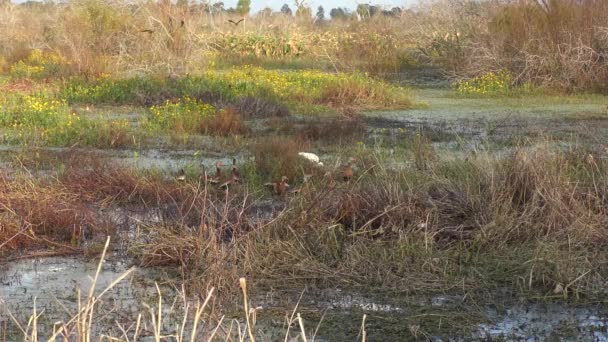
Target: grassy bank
column 300, row 90
column 216, row 103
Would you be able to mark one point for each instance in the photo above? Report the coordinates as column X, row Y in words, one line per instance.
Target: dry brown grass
column 542, row 197
column 277, row 156
column 556, row 43
column 97, row 178
column 225, row 122
column 43, row 214
column 255, row 107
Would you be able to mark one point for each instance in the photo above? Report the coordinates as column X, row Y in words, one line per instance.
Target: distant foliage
column 243, row 7
column 302, row 9
column 339, row 13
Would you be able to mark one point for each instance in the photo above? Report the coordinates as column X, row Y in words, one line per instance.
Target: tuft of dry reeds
column 39, row 213
column 277, row 156
column 226, row 122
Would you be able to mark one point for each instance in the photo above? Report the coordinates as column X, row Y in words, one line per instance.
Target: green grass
column 298, row 89
column 41, row 119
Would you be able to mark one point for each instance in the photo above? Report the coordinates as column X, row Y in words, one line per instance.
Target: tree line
column 301, row 9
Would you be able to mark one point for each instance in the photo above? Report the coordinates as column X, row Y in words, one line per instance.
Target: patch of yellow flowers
column 301, row 85
column 39, row 116
column 487, row 84
column 184, row 114
column 38, row 64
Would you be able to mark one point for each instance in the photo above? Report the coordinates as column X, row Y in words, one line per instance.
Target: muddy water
column 54, row 283
column 546, row 321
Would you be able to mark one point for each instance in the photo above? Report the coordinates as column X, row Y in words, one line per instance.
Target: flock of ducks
column 278, row 187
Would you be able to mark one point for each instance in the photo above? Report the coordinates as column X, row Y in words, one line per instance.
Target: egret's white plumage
column 311, row 157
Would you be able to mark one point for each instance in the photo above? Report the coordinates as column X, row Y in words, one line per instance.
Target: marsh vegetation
column 455, row 173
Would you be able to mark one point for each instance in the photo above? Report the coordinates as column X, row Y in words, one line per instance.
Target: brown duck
column 235, row 170
column 348, row 173
column 279, row 188
column 234, row 178
column 218, row 174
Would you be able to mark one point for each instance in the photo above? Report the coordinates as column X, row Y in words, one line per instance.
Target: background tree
column 302, row 9
column 366, row 11
column 338, row 13
column 320, row 14
column 393, row 12
column 266, row 12
column 243, row 7
column 286, row 10
column 217, row 7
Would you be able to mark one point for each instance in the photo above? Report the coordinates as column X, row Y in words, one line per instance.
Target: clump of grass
column 257, row 107
column 95, row 178
column 277, row 156
column 40, row 117
column 225, row 122
column 362, row 92
column 43, row 214
column 330, row 130
column 307, row 86
column 488, row 84
column 190, row 116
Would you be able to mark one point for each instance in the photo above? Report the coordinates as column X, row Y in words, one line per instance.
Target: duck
column 234, row 178
column 218, row 174
column 348, row 173
column 181, row 176
column 279, row 188
column 235, row 170
column 231, row 180
column 311, row 157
